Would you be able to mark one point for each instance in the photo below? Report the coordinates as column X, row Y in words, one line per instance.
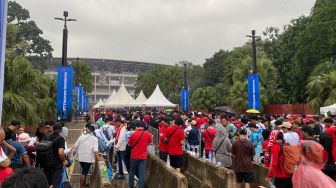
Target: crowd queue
column 298, row 150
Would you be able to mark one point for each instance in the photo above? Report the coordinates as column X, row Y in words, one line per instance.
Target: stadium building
column 108, row 74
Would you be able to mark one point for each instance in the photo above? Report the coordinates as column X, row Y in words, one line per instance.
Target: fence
column 288, row 109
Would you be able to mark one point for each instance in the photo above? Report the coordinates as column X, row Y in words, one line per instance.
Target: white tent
column 99, row 104
column 121, row 99
column 110, row 97
column 157, row 99
column 331, row 109
column 141, row 99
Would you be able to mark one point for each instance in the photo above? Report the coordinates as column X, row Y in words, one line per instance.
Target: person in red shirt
column 176, row 140
column 296, row 128
column 276, row 170
column 327, row 153
column 208, row 136
column 139, row 141
column 198, row 120
column 330, row 129
column 163, row 147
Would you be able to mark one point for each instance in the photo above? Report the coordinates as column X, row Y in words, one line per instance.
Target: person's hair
column 243, row 132
column 224, row 116
column 179, row 121
column 252, row 125
column 316, row 118
column 278, row 122
column 211, row 122
column 265, row 133
column 90, row 127
column 326, row 142
column 310, row 122
column 307, row 129
column 26, row 178
column 15, row 123
column 298, row 122
column 280, row 136
column 328, row 120
column 49, row 122
column 57, row 128
column 8, row 133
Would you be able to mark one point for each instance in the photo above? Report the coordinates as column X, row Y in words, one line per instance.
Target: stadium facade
column 108, row 74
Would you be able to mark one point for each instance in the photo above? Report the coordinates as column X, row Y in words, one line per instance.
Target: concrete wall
column 203, row 174
column 159, row 175
column 260, row 174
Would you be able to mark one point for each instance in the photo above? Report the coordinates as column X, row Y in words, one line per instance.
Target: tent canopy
column 157, row 99
column 111, row 97
column 99, row 104
column 328, row 109
column 121, row 99
column 141, row 99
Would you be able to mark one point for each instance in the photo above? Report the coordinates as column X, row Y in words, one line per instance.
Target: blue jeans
column 121, row 158
column 108, row 162
column 141, row 166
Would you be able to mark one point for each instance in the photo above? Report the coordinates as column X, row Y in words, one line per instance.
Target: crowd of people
column 298, row 150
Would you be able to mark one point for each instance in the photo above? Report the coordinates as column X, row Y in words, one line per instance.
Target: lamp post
column 254, row 52
column 65, row 36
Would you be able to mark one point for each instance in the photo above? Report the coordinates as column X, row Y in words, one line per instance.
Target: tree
column 204, row 98
column 82, row 75
column 28, row 31
column 321, row 90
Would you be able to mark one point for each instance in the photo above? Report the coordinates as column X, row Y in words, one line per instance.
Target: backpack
column 291, row 157
column 102, row 147
column 106, row 134
column 45, row 154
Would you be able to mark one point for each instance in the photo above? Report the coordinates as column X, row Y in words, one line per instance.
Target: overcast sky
column 159, row 31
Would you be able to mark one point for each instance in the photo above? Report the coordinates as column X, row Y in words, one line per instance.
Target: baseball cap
column 286, row 125
column 24, row 137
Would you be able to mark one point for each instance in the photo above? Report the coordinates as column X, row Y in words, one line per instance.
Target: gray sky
column 159, row 31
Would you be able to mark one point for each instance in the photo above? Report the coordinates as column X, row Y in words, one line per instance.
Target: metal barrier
column 156, row 138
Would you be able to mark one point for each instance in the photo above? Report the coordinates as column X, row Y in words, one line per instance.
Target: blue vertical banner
column 3, row 28
column 64, row 93
column 253, row 91
column 77, row 99
column 80, row 99
column 185, row 99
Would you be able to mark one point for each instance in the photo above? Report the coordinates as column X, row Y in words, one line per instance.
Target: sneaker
column 119, row 176
column 136, row 178
column 125, row 173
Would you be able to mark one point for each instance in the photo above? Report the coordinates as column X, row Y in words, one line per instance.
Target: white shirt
column 86, row 146
column 110, row 130
column 3, row 156
column 292, row 138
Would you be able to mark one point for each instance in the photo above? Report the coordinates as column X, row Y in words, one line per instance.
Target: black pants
column 54, row 176
column 202, row 148
column 283, row 182
column 163, row 156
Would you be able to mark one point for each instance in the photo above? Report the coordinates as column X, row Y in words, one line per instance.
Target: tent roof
column 121, row 99
column 157, row 99
column 99, row 104
column 141, row 99
column 111, row 96
column 326, row 109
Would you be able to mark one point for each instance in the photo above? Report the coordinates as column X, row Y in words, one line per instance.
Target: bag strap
column 138, row 139
column 220, row 145
column 172, row 133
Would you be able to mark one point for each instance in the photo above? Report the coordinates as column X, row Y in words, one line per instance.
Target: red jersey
column 174, row 144
column 277, row 168
column 298, row 131
column 162, row 124
column 146, row 119
column 139, row 152
column 163, row 134
column 198, row 122
column 331, row 132
column 208, row 137
column 205, row 120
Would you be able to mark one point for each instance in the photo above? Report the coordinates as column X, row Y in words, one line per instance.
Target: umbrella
column 253, row 111
column 168, row 110
column 225, row 109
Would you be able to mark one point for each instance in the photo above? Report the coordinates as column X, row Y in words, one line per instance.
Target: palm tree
column 204, row 98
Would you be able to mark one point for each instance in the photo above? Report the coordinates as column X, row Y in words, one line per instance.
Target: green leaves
column 204, row 99
column 82, row 75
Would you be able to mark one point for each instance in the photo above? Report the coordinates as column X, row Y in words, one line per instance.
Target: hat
column 24, row 137
column 286, row 125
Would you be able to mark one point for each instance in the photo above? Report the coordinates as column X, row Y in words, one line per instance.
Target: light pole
column 65, row 36
column 254, row 52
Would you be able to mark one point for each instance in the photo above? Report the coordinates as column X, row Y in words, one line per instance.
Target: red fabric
column 139, row 152
column 118, row 131
column 264, row 144
column 162, row 124
column 163, row 134
column 146, row 119
column 334, row 154
column 198, row 122
column 174, row 144
column 298, row 131
column 208, row 137
column 277, row 168
column 331, row 132
column 5, row 173
column 205, row 120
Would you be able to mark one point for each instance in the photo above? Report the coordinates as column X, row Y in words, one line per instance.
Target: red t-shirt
column 198, row 122
column 331, row 132
column 146, row 119
column 205, row 120
column 174, row 144
column 163, row 134
column 208, row 137
column 139, row 152
column 298, row 131
column 162, row 124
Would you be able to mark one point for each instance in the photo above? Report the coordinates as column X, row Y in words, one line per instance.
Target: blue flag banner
column 77, row 99
column 185, row 101
column 85, row 104
column 253, row 92
column 64, row 93
column 80, row 99
column 3, row 28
